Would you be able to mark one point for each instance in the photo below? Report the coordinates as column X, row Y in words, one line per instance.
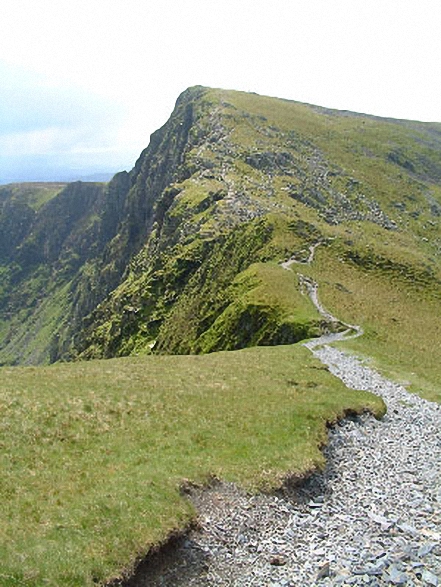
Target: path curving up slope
column 372, row 518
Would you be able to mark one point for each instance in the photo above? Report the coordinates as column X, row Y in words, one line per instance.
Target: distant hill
column 182, row 253
column 26, row 176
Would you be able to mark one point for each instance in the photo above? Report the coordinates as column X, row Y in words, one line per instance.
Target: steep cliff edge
column 61, row 257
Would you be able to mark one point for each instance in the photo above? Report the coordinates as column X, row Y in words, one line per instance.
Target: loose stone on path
column 372, row 518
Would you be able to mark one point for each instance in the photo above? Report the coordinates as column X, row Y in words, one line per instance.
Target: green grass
column 93, row 454
column 401, row 318
column 36, row 194
column 28, row 333
column 266, row 308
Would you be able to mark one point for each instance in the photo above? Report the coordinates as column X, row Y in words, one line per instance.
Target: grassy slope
column 394, row 286
column 289, row 167
column 265, row 306
column 35, row 194
column 93, row 453
column 15, row 326
column 28, row 331
column 402, row 320
column 36, row 273
column 111, row 441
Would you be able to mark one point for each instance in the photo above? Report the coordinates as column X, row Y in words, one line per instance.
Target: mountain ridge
column 181, row 253
column 247, row 222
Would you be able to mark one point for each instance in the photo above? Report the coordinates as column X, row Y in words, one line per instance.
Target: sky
column 84, row 83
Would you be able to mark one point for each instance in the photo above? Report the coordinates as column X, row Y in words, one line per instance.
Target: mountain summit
column 183, row 254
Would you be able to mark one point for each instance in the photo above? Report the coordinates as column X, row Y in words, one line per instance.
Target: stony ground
column 372, row 518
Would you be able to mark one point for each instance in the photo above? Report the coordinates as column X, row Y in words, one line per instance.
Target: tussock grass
column 93, row 454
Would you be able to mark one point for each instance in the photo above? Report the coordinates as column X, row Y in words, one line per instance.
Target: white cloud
column 31, row 142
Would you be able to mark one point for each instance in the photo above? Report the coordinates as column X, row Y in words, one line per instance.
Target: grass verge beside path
column 93, row 454
column 401, row 321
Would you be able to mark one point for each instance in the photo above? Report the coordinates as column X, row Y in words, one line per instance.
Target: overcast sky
column 85, row 82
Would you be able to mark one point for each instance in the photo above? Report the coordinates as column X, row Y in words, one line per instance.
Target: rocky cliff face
column 181, row 254
column 47, row 246
column 61, row 257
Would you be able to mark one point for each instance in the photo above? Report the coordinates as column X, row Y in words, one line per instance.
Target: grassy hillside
column 94, row 453
column 47, row 233
column 398, row 306
column 182, row 256
column 265, row 179
column 33, row 194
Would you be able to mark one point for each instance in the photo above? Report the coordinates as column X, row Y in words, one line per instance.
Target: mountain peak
column 182, row 254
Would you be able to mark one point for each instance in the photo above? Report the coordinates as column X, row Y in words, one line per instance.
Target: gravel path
column 372, row 518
